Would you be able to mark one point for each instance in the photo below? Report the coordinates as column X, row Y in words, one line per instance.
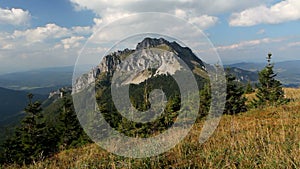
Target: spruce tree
column 235, row 100
column 270, row 92
column 205, row 99
column 249, row 89
column 29, row 142
column 71, row 132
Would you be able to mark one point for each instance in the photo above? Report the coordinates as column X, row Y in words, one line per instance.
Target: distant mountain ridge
column 39, row 81
column 244, row 76
column 12, row 104
column 288, row 71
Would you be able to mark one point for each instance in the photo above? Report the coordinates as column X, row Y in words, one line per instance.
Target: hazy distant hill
column 244, row 76
column 41, row 81
column 288, row 71
column 12, row 104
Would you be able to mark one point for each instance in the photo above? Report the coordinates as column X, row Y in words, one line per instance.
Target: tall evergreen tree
column 205, row 99
column 28, row 143
column 71, row 132
column 270, row 90
column 235, row 100
column 249, row 89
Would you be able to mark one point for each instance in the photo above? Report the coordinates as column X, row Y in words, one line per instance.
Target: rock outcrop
column 168, row 63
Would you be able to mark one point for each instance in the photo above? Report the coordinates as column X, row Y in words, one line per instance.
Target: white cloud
column 204, row 21
column 45, row 37
column 98, row 21
column 199, row 12
column 86, row 30
column 40, row 34
column 72, row 42
column 294, row 44
column 14, row 16
column 247, row 44
column 180, row 13
column 288, row 10
column 50, row 32
column 199, row 7
column 44, row 46
column 5, row 43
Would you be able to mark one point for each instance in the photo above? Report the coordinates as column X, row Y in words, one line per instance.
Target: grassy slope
column 265, row 138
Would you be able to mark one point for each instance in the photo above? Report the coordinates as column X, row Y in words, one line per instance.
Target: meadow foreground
column 259, row 138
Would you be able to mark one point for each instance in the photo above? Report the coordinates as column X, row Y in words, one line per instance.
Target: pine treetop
column 270, row 90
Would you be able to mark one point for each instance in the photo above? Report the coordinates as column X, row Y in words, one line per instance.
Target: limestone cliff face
column 111, row 61
column 167, row 58
column 151, row 42
column 108, row 64
column 140, row 65
column 85, row 80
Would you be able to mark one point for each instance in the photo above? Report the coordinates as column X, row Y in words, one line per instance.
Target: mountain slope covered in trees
column 12, row 104
column 258, row 138
column 55, row 127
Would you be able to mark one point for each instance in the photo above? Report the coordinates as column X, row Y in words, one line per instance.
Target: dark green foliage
column 29, row 142
column 289, row 71
column 69, row 129
column 39, row 137
column 249, row 89
column 235, row 100
column 12, row 104
column 205, row 100
column 139, row 95
column 270, row 92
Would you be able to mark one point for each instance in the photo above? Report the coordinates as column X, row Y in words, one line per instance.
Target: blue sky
column 49, row 33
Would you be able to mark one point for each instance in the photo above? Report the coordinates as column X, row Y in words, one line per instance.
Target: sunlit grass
column 259, row 138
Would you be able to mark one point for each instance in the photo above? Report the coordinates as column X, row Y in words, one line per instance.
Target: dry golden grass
column 259, row 138
column 292, row 93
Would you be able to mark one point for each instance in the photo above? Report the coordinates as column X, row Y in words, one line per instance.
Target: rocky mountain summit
column 150, row 43
column 149, row 52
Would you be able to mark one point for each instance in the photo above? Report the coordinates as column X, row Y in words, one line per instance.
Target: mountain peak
column 151, row 42
column 168, row 59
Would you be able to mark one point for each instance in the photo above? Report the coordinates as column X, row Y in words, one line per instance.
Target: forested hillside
column 59, row 134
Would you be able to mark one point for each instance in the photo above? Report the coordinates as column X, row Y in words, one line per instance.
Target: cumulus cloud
column 85, row 30
column 199, row 12
column 44, row 46
column 50, row 36
column 283, row 11
column 248, row 44
column 204, row 21
column 14, row 16
column 180, row 13
column 200, row 7
column 40, row 34
column 72, row 42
